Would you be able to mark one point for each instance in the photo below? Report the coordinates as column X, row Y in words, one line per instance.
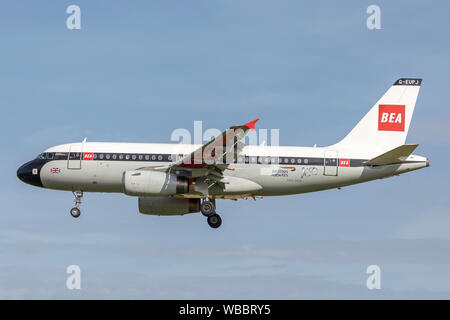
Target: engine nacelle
column 146, row 183
column 168, row 206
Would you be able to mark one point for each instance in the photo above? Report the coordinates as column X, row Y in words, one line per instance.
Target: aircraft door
column 74, row 157
column 330, row 164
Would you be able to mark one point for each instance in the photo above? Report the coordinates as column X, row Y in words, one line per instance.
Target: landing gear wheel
column 214, row 220
column 75, row 212
column 207, row 208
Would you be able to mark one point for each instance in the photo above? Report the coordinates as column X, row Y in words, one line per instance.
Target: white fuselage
column 99, row 167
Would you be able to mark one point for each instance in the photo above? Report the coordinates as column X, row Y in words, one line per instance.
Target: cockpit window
column 41, row 156
column 50, row 155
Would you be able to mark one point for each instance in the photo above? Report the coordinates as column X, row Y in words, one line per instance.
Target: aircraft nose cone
column 30, row 173
column 21, row 173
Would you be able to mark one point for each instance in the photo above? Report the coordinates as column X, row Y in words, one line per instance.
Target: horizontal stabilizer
column 396, row 155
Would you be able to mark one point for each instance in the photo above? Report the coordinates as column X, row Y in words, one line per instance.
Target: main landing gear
column 75, row 211
column 214, row 220
column 208, row 209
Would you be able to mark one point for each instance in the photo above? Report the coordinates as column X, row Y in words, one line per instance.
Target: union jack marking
column 55, row 170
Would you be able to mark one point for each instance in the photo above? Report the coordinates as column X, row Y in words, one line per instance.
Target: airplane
column 177, row 179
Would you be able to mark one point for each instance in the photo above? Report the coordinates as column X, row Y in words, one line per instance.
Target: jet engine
column 147, row 183
column 168, row 206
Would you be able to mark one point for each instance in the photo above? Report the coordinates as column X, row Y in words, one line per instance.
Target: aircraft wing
column 208, row 162
column 218, row 153
column 396, row 155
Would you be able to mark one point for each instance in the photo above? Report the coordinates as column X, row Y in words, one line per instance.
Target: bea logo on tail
column 391, row 117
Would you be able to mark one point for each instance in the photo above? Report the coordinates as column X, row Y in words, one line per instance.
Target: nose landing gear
column 75, row 211
column 208, row 209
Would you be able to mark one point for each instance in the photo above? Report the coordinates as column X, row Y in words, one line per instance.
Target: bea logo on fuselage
column 344, row 162
column 88, row 156
column 391, row 117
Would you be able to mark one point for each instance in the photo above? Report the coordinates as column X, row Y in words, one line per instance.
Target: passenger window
column 141, row 157
column 127, row 157
column 299, row 160
column 108, row 156
column 50, row 155
column 101, row 155
column 121, row 156
column 114, row 156
column 147, row 157
column 153, row 157
column 160, row 157
column 74, row 156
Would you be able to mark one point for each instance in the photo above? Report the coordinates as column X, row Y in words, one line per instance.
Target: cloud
column 431, row 224
column 49, row 283
column 18, row 237
column 409, row 250
column 32, row 266
column 52, row 136
column 432, row 131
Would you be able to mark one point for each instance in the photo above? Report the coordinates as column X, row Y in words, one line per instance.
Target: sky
column 137, row 71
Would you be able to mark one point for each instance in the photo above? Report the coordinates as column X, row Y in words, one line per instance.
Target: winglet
column 251, row 124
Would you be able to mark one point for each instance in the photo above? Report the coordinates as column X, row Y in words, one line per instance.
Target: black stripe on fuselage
column 158, row 157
